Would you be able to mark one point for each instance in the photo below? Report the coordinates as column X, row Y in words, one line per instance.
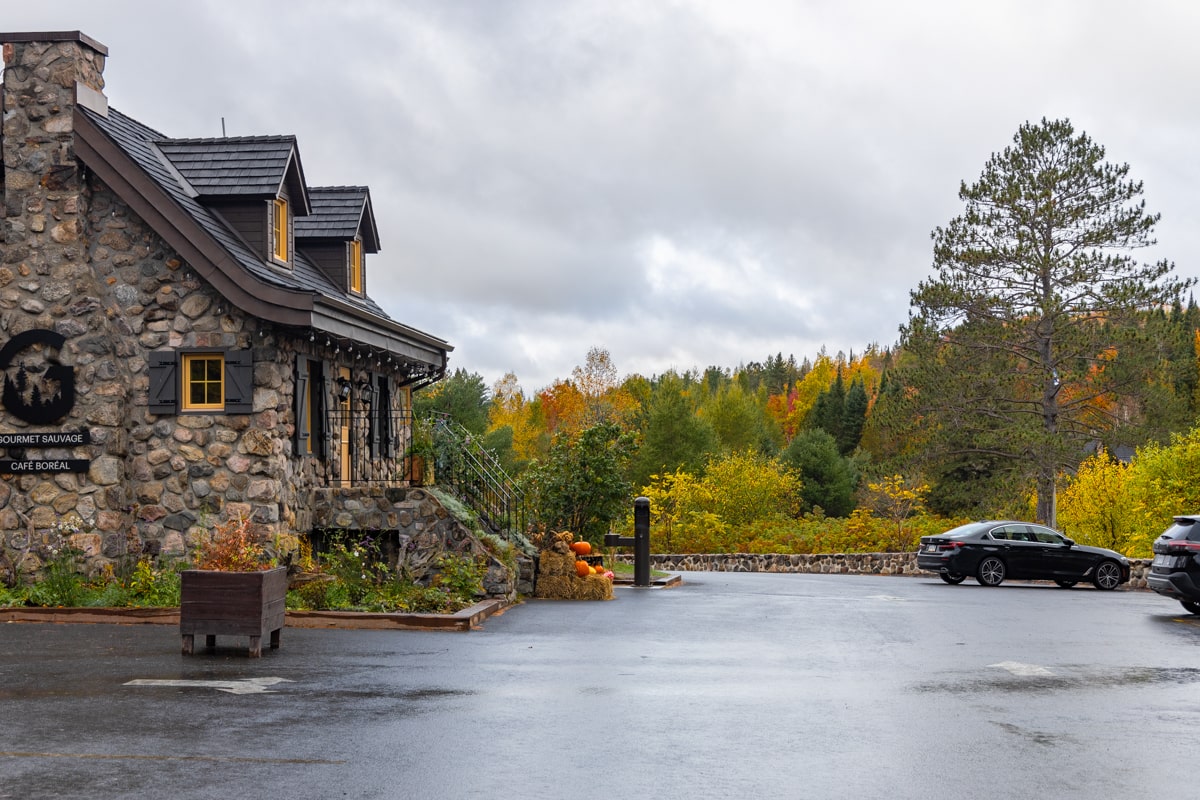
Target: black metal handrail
column 469, row 469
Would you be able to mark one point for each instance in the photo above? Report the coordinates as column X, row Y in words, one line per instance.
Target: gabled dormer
column 255, row 183
column 338, row 235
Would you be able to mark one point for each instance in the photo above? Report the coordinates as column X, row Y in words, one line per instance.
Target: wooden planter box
column 232, row 604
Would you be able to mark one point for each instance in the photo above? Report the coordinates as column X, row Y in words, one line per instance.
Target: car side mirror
column 1068, row 542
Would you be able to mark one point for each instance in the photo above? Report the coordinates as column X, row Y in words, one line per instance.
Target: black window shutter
column 387, row 431
column 375, row 418
column 302, row 407
column 164, row 382
column 239, row 381
column 325, row 436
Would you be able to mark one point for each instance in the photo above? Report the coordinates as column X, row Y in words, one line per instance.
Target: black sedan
column 993, row 551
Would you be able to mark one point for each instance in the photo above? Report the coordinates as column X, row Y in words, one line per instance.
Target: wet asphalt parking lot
column 729, row 685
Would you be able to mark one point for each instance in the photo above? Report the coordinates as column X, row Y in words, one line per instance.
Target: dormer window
column 356, row 266
column 279, row 229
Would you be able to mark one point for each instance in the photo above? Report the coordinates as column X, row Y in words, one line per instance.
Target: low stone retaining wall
column 819, row 563
column 423, row 528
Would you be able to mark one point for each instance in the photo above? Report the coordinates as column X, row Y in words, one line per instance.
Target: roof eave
column 347, row 320
column 146, row 198
column 277, row 304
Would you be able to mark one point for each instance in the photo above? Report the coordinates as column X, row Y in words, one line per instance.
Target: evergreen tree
column 828, row 480
column 854, row 417
column 1028, row 340
column 674, row 436
column 462, row 396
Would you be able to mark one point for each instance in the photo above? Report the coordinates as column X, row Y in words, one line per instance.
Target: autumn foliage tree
column 1095, row 507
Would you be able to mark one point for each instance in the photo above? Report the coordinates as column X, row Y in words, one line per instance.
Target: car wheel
column 1066, row 584
column 1108, row 576
column 952, row 578
column 1192, row 608
column 991, row 572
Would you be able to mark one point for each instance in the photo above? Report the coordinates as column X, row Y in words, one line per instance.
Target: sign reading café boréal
column 39, row 390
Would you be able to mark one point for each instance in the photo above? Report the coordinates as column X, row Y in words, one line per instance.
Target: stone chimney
column 46, row 75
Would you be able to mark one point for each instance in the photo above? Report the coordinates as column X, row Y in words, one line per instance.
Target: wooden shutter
column 387, row 424
column 164, row 382
column 375, row 417
column 323, row 427
column 239, row 381
column 302, row 406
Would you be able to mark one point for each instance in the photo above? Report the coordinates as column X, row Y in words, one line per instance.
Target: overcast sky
column 684, row 184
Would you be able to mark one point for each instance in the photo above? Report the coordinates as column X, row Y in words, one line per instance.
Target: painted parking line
column 1023, row 670
column 244, row 686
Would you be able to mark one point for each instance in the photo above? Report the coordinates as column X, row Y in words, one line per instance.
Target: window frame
column 188, row 382
column 165, row 395
column 357, row 269
column 280, row 231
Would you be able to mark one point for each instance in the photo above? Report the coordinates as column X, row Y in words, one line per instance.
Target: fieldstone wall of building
column 78, row 262
column 819, row 564
column 47, row 284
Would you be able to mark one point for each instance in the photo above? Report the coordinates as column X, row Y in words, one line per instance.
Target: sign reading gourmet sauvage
column 54, row 439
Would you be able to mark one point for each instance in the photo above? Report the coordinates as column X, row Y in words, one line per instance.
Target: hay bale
column 558, row 582
column 554, row 587
column 593, row 587
column 552, row 564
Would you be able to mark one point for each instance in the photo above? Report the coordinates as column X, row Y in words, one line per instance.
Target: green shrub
column 153, row 585
column 61, row 583
column 15, row 596
column 461, row 577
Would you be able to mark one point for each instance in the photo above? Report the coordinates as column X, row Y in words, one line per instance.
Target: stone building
column 186, row 333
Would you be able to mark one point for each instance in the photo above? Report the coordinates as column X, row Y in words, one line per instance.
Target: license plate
column 931, row 548
column 1165, row 561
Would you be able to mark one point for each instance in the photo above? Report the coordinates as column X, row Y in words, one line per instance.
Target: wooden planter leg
column 189, row 643
column 256, row 647
column 275, row 638
column 210, row 641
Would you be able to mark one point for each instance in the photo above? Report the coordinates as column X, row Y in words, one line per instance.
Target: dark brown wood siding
column 330, row 258
column 250, row 220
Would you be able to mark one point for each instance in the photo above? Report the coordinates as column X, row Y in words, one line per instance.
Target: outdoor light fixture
column 344, row 388
column 366, row 392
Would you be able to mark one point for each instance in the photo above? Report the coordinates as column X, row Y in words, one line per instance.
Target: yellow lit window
column 280, row 229
column 356, row 266
column 203, row 382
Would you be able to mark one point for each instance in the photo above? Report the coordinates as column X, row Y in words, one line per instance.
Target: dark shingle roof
column 232, row 167
column 147, row 147
column 341, row 213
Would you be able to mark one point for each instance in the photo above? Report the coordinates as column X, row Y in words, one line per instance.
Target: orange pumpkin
column 582, row 569
column 581, row 548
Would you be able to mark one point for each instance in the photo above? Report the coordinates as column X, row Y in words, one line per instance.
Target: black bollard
column 640, row 541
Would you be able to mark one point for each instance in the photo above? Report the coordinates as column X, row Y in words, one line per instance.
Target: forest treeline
column 816, row 454
column 1043, row 373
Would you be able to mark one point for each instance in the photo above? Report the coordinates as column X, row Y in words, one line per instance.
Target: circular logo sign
column 39, row 394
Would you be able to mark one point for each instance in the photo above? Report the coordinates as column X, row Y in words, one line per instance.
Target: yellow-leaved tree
column 896, row 500
column 715, row 513
column 1163, row 481
column 1095, row 506
column 509, row 409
